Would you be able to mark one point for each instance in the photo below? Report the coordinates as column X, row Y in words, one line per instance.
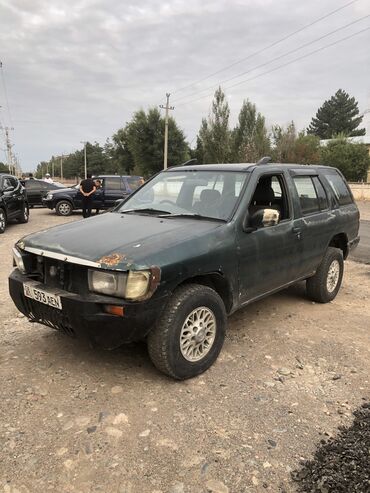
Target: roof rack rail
column 189, row 162
column 264, row 160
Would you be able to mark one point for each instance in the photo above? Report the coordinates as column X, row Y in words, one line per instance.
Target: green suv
column 190, row 247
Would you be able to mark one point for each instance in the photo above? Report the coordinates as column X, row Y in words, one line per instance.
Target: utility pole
column 9, row 153
column 84, row 143
column 167, row 108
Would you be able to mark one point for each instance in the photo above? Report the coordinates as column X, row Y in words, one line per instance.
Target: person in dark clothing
column 98, row 196
column 87, row 188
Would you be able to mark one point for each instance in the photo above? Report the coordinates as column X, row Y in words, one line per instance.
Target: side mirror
column 263, row 218
column 118, row 202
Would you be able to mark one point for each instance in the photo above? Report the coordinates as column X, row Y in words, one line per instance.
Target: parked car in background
column 13, row 201
column 38, row 189
column 113, row 188
column 191, row 246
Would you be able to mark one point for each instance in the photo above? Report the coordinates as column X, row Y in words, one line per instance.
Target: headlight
column 137, row 284
column 18, row 261
column 110, row 283
column 132, row 285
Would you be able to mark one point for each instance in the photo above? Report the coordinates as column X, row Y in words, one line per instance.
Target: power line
column 282, row 65
column 274, row 59
column 5, row 93
column 284, row 38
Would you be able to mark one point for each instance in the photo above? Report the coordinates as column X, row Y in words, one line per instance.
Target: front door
column 268, row 256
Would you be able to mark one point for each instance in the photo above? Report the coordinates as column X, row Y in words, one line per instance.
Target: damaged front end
column 106, row 301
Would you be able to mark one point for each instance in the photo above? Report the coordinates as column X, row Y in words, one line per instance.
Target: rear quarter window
column 339, row 187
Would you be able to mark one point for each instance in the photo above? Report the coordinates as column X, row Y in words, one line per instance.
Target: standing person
column 98, row 196
column 87, row 188
column 48, row 178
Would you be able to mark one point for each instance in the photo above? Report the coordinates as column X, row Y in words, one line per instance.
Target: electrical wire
column 282, row 65
column 273, row 59
column 284, row 38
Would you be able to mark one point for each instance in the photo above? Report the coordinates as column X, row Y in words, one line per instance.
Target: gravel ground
column 341, row 464
column 74, row 419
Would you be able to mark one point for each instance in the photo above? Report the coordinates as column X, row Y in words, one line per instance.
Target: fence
column 361, row 191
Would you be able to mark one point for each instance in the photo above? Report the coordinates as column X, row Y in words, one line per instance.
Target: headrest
column 264, row 193
column 209, row 196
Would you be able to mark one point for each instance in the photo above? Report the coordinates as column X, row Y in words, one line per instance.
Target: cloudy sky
column 77, row 69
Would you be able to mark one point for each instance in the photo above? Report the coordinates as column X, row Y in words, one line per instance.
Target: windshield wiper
column 192, row 215
column 148, row 210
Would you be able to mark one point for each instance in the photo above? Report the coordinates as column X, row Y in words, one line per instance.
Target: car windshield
column 188, row 193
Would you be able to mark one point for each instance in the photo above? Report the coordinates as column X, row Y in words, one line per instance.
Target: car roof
column 243, row 167
column 116, row 176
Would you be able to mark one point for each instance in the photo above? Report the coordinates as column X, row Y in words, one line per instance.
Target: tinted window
column 323, row 199
column 307, row 194
column 134, row 182
column 112, row 183
column 9, row 182
column 32, row 185
column 339, row 187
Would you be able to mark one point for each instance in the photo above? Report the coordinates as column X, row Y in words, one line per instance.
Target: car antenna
column 264, row 160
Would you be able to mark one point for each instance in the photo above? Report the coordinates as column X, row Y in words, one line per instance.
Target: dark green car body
column 242, row 263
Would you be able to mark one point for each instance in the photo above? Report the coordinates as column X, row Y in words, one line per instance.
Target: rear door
column 33, row 189
column 113, row 190
column 315, row 220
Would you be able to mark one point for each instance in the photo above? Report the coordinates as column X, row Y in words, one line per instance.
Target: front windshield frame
column 130, row 205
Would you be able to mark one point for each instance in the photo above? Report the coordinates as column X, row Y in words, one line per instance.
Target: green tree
column 352, row 159
column 4, row 168
column 214, row 134
column 145, row 142
column 284, row 143
column 339, row 114
column 250, row 140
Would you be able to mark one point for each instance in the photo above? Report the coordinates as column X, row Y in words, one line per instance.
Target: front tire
column 64, row 208
column 190, row 333
column 325, row 284
column 2, row 221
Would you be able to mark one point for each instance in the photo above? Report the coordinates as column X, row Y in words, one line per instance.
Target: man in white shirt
column 48, row 178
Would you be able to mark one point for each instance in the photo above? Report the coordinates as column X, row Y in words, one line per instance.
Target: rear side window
column 112, row 183
column 339, row 187
column 307, row 194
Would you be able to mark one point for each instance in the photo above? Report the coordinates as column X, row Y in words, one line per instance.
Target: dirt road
column 74, row 419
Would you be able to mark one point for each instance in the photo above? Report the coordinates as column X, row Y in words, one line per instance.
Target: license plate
column 42, row 296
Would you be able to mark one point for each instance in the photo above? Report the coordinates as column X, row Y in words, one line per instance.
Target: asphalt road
column 362, row 252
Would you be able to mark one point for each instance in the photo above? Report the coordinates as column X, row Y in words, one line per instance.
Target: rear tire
column 2, row 221
column 64, row 208
column 325, row 284
column 189, row 335
column 24, row 217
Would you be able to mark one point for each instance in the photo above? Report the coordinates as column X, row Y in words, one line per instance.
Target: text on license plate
column 42, row 296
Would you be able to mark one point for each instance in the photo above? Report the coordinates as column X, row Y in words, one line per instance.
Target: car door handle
column 297, row 232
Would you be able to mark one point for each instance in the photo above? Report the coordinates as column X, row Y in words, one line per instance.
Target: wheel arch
column 340, row 241
column 215, row 281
